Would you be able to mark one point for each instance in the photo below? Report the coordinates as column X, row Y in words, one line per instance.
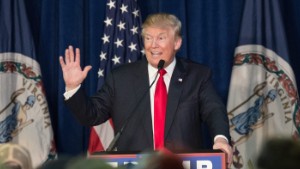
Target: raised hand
column 72, row 72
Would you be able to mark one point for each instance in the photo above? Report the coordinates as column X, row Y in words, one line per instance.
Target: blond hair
column 15, row 155
column 163, row 20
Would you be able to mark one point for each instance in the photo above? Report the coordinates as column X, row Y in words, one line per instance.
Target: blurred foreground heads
column 279, row 153
column 14, row 156
column 160, row 160
column 80, row 162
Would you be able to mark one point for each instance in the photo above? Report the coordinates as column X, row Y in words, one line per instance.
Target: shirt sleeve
column 220, row 136
column 70, row 93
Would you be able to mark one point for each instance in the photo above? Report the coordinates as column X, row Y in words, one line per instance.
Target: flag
column 263, row 101
column 24, row 113
column 121, row 43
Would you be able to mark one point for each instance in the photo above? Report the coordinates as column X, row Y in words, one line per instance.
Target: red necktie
column 160, row 106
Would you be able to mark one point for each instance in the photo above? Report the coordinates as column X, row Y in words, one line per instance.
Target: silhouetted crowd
column 276, row 153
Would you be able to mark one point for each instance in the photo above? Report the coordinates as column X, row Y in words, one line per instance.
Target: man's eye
column 162, row 38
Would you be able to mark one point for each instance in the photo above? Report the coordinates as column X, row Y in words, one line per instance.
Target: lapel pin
column 180, row 80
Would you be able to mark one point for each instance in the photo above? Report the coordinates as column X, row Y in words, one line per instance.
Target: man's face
column 160, row 44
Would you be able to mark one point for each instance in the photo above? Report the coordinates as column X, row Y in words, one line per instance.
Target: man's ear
column 178, row 42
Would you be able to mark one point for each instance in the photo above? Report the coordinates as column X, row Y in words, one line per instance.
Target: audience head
column 160, row 160
column 14, row 156
column 279, row 153
column 86, row 163
column 80, row 162
column 59, row 163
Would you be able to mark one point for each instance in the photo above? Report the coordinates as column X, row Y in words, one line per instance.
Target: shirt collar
column 152, row 70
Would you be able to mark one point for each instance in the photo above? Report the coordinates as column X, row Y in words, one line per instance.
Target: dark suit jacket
column 191, row 101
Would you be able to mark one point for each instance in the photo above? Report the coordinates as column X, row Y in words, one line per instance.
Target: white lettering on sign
column 204, row 164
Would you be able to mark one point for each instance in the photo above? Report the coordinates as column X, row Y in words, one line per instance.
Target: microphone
column 160, row 64
column 115, row 140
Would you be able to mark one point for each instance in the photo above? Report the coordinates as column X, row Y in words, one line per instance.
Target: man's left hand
column 222, row 144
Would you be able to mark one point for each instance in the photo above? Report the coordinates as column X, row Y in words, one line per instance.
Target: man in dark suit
column 125, row 96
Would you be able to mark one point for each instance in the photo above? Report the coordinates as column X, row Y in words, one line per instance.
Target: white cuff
column 220, row 136
column 70, row 93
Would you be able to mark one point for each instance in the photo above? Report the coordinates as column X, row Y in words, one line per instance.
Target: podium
column 212, row 159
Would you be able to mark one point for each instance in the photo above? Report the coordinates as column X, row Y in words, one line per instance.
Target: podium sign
column 198, row 160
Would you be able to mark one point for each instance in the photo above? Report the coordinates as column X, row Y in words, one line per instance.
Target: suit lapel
column 174, row 94
column 141, row 86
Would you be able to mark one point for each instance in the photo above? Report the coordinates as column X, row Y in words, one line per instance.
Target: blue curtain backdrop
column 210, row 34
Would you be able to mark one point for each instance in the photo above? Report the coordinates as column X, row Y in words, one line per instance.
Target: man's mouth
column 156, row 54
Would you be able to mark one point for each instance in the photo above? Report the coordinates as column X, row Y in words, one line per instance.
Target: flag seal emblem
column 24, row 113
column 265, row 104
